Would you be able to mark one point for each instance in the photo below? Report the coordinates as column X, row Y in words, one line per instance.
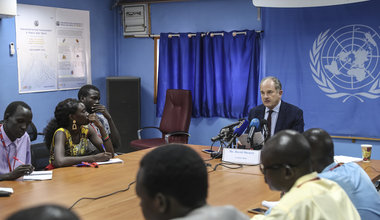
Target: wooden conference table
column 372, row 168
column 243, row 188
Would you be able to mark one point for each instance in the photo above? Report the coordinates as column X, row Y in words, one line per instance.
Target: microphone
column 225, row 134
column 222, row 134
column 217, row 137
column 226, row 131
column 239, row 130
column 254, row 126
column 234, row 124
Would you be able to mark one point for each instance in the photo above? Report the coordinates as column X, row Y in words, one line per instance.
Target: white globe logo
column 346, row 62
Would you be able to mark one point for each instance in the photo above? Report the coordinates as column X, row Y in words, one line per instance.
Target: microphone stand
column 230, row 143
column 266, row 134
column 219, row 153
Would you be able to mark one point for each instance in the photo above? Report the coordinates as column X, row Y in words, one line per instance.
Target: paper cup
column 366, row 152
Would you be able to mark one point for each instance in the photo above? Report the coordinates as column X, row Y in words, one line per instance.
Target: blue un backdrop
column 328, row 60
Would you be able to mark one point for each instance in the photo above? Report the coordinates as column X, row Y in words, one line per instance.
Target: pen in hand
column 26, row 172
column 104, row 148
column 18, row 160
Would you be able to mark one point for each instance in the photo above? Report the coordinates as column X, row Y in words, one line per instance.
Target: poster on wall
column 53, row 48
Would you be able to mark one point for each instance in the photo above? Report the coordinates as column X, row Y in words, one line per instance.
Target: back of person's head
column 61, row 118
column 83, row 91
column 322, row 148
column 12, row 107
column 289, row 153
column 174, row 171
column 44, row 212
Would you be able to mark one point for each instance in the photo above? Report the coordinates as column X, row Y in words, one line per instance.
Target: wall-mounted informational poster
column 53, row 48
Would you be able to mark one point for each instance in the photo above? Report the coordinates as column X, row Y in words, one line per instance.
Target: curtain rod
column 190, row 35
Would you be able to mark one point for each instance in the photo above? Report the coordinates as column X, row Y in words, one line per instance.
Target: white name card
column 241, row 156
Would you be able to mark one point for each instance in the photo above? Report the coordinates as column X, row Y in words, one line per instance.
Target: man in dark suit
column 279, row 114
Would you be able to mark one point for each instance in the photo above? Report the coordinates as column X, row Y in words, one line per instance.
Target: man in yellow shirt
column 286, row 165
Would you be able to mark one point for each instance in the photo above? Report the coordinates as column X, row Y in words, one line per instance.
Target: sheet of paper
column 39, row 175
column 113, row 160
column 5, row 189
column 346, row 159
column 269, row 204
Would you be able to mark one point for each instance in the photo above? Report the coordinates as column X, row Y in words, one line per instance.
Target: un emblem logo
column 346, row 63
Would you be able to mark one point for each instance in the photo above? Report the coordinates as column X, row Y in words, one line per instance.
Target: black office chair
column 32, row 131
column 40, row 156
column 40, row 153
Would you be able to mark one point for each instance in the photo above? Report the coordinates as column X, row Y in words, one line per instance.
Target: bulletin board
column 53, row 48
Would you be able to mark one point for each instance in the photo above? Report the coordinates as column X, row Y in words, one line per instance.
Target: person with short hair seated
column 44, row 212
column 89, row 95
column 68, row 136
column 15, row 155
column 350, row 176
column 172, row 184
column 286, row 165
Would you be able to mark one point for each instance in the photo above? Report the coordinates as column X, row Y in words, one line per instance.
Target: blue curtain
column 221, row 71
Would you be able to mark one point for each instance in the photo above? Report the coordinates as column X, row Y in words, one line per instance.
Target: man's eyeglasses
column 263, row 168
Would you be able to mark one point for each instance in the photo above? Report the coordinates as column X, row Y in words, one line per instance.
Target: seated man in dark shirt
column 89, row 95
column 44, row 212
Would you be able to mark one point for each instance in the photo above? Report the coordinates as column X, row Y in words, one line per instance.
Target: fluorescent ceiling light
column 301, row 3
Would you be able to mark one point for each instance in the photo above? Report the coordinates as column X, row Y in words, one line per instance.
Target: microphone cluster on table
column 257, row 134
column 229, row 133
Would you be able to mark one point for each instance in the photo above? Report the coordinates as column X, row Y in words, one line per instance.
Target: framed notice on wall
column 53, row 48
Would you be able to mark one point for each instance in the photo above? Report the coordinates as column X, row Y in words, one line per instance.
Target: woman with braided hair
column 68, row 133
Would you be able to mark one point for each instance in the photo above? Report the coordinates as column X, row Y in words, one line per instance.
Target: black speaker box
column 123, row 101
